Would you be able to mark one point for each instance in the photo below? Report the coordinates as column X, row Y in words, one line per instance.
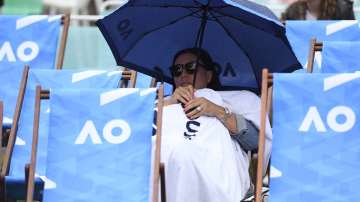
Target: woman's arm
column 227, row 118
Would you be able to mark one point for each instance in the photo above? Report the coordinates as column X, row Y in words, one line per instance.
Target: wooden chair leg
column 65, row 20
column 311, row 56
column 155, row 196
column 264, row 104
column 162, row 182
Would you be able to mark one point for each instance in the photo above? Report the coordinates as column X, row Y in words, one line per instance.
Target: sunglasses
column 190, row 67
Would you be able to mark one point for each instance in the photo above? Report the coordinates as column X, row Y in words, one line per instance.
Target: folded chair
column 18, row 149
column 105, row 147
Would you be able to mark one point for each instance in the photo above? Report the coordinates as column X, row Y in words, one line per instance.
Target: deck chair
column 336, row 56
column 314, row 152
column 19, row 35
column 300, row 33
column 340, row 56
column 18, row 149
column 87, row 157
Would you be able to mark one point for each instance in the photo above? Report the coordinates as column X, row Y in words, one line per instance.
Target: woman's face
column 203, row 77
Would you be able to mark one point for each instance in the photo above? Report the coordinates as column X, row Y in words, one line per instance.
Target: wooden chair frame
column 45, row 94
column 128, row 76
column 266, row 98
column 314, row 47
column 65, row 21
column 13, row 131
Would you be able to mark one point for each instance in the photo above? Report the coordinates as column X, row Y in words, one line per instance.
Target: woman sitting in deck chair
column 206, row 133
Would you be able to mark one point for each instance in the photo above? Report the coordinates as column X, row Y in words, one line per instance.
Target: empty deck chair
column 18, row 149
column 105, row 147
column 31, row 40
column 300, row 34
column 315, row 144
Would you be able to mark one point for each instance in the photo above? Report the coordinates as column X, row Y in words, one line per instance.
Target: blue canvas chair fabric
column 28, row 40
column 299, row 34
column 315, row 144
column 51, row 79
column 105, row 148
column 340, row 57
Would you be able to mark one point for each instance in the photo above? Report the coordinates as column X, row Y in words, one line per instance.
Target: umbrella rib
column 236, row 42
column 158, row 28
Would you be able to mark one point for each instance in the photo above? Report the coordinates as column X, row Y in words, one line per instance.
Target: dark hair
column 344, row 10
column 209, row 65
column 328, row 10
column 295, row 11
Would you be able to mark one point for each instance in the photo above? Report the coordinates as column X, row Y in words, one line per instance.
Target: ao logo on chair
column 89, row 131
column 313, row 117
column 25, row 52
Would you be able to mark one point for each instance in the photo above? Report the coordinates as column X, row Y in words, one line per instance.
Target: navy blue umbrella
column 242, row 37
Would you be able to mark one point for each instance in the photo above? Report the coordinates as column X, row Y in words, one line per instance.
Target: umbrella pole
column 200, row 38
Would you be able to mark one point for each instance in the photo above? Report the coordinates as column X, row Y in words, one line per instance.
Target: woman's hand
column 202, row 107
column 182, row 95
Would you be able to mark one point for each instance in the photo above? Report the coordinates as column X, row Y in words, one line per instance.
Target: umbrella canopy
column 242, row 37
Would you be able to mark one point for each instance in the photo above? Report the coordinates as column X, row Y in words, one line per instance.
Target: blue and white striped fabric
column 99, row 145
column 316, row 144
column 340, row 56
column 299, row 34
column 24, row 40
column 50, row 79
